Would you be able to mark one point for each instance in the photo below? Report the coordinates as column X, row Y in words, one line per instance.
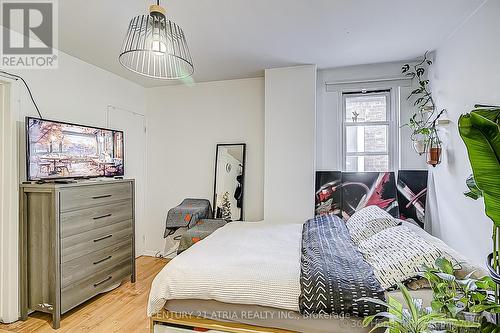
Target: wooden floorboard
column 120, row 310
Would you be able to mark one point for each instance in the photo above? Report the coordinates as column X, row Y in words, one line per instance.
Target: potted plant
column 411, row 317
column 462, row 298
column 423, row 122
column 445, row 290
column 480, row 132
column 434, row 147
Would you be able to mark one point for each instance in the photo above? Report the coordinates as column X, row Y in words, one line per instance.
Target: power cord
column 159, row 255
column 17, row 77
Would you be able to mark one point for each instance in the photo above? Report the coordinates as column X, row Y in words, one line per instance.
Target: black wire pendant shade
column 156, row 47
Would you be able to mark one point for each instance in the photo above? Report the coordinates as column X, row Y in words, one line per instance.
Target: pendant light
column 156, row 47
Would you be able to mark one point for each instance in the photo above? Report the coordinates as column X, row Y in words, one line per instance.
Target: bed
column 249, row 277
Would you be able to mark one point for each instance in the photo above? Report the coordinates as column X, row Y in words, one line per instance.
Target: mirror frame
column 214, row 202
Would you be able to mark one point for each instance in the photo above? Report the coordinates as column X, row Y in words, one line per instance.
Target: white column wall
column 290, row 125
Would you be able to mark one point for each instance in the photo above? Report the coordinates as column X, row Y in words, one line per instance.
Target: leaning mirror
column 229, row 187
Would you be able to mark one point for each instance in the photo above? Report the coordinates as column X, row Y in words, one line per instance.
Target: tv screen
column 62, row 150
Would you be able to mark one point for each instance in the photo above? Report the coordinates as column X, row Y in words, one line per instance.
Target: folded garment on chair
column 187, row 214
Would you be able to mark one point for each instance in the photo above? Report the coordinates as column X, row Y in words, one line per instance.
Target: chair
column 187, row 214
column 201, row 230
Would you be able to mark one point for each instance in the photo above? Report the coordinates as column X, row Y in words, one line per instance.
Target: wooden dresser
column 76, row 241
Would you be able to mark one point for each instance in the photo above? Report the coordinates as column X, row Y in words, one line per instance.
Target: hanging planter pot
column 420, row 146
column 434, row 150
column 434, row 156
column 420, row 142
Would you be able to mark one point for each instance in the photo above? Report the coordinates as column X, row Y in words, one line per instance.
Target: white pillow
column 466, row 264
column 368, row 221
column 397, row 254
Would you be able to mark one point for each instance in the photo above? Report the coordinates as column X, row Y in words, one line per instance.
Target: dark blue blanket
column 334, row 273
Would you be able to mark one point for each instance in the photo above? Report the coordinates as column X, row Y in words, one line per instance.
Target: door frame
column 9, row 203
column 140, row 238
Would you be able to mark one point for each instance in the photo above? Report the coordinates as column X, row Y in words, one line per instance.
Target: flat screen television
column 56, row 150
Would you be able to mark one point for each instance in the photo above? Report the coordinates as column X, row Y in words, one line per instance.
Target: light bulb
column 158, row 47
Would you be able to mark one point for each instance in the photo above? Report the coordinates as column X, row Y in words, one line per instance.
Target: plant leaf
column 444, row 265
column 409, row 301
column 480, row 132
column 446, row 277
column 474, row 191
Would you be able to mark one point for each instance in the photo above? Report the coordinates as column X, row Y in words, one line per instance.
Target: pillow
column 368, row 221
column 466, row 264
column 397, row 254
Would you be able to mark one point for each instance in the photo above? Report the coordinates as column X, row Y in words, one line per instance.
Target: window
column 367, row 131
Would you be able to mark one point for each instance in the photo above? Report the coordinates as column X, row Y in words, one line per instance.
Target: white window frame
column 391, row 122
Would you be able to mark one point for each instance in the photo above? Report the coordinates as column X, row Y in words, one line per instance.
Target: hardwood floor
column 120, row 310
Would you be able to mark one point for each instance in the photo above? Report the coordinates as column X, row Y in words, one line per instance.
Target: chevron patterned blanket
column 334, row 274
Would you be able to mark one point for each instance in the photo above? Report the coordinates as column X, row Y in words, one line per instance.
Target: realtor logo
column 29, row 34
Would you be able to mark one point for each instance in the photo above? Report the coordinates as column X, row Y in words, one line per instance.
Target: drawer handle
column 102, row 196
column 101, row 282
column 102, row 260
column 102, row 238
column 101, row 217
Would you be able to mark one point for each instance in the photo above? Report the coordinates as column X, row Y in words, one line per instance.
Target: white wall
column 290, row 139
column 466, row 72
column 75, row 92
column 329, row 112
column 79, row 92
column 184, row 125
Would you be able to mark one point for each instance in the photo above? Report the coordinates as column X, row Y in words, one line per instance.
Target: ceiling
column 232, row 39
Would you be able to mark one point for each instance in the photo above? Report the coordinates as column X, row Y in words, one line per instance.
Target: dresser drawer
column 90, row 264
column 82, row 244
column 81, row 291
column 78, row 221
column 74, row 198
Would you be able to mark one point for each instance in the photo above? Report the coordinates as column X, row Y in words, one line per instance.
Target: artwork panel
column 361, row 189
column 412, row 195
column 328, row 192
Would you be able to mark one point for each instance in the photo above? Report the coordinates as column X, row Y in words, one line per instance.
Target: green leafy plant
column 423, row 121
column 422, row 94
column 442, row 281
column 452, row 295
column 411, row 317
column 474, row 192
column 480, row 132
column 478, row 294
column 487, row 327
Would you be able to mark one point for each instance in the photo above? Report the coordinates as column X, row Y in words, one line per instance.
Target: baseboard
column 151, row 253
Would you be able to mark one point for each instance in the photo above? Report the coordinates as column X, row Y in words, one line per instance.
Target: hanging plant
column 434, row 149
column 423, row 121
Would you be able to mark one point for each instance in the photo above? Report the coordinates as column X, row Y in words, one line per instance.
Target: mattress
column 261, row 271
column 277, row 318
column 242, row 263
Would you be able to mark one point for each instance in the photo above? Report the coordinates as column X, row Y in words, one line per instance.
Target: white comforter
column 244, row 263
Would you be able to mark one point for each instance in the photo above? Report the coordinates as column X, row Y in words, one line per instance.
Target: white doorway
column 133, row 125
